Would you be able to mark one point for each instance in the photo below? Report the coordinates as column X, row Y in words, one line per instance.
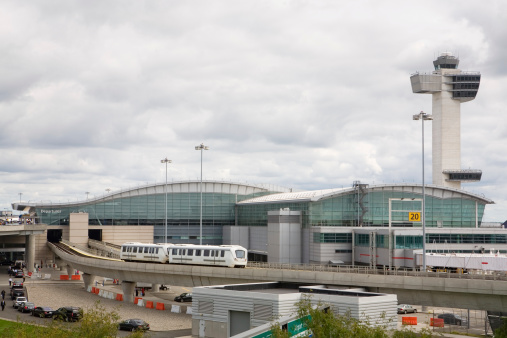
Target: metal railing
column 368, row 270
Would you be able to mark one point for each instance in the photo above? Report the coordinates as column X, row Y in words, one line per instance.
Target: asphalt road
column 10, row 313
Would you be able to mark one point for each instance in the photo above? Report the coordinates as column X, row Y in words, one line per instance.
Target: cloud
column 305, row 94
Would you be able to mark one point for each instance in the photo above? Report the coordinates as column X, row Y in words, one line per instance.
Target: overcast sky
column 302, row 94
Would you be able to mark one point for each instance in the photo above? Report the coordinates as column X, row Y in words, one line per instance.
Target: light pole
column 20, row 194
column 201, row 147
column 87, row 193
column 165, row 160
column 423, row 116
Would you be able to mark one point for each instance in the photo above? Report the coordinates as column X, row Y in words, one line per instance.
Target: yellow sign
column 414, row 216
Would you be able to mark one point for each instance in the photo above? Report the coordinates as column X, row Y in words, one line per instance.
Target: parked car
column 18, row 301
column 26, row 307
column 19, row 274
column 184, row 297
column 404, row 308
column 43, row 311
column 17, row 285
column 133, row 325
column 453, row 319
column 15, row 293
column 68, row 314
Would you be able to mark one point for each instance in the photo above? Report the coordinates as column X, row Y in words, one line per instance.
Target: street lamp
column 165, row 160
column 423, row 116
column 201, row 147
column 87, row 193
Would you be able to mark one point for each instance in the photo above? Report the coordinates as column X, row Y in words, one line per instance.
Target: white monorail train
column 217, row 255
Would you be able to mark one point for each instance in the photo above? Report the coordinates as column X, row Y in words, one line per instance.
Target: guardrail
column 368, row 270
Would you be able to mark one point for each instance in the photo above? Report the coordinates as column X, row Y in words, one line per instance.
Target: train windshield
column 240, row 253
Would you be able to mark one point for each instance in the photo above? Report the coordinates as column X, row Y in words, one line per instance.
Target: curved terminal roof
column 160, row 188
column 316, row 195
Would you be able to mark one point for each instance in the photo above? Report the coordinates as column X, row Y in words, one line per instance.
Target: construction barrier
column 176, row 309
column 29, row 274
column 160, row 306
column 97, row 291
column 75, row 277
column 119, row 297
column 149, row 304
column 409, row 320
column 189, row 310
column 64, row 277
column 140, row 302
column 136, row 300
column 437, row 322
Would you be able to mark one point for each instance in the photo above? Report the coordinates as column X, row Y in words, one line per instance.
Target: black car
column 134, row 325
column 17, row 285
column 15, row 293
column 453, row 319
column 19, row 274
column 184, row 297
column 68, row 314
column 43, row 311
column 26, row 307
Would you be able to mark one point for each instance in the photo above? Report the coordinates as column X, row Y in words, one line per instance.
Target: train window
column 222, row 253
column 140, row 249
column 183, row 252
column 129, row 249
column 190, row 252
column 175, row 251
column 240, row 254
column 134, row 249
column 206, row 253
column 156, row 250
column 124, row 249
column 146, row 250
column 198, row 252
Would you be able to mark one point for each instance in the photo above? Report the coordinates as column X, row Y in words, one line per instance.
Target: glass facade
column 467, row 238
column 332, row 238
column 408, row 242
column 183, row 213
column 344, row 210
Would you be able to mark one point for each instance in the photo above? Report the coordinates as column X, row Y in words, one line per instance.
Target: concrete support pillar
column 70, row 270
column 30, row 252
column 155, row 287
column 88, row 280
column 128, row 291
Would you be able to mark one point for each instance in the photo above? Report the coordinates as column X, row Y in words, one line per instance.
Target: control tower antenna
column 449, row 87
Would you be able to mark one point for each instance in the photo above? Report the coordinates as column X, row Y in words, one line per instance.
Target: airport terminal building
column 361, row 224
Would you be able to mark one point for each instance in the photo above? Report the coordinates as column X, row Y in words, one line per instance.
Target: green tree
column 97, row 322
column 501, row 332
column 324, row 323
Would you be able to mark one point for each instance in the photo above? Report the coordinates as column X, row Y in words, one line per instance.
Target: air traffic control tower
column 449, row 87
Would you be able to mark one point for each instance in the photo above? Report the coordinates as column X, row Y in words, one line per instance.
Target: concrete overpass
column 27, row 230
column 480, row 292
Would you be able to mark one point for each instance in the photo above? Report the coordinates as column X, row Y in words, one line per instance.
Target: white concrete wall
column 284, row 239
column 78, row 228
column 119, row 234
column 446, row 133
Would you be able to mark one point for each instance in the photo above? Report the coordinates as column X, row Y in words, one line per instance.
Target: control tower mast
column 449, row 87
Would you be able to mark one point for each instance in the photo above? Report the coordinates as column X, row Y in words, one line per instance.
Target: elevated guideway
column 481, row 292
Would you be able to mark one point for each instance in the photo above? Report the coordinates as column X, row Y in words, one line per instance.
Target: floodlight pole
column 201, row 147
column 165, row 160
column 423, row 116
